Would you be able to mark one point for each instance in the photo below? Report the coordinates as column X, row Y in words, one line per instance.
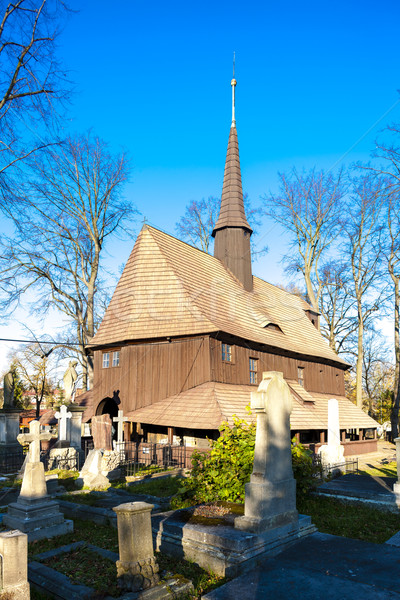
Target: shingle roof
column 206, row 406
column 169, row 288
column 232, row 208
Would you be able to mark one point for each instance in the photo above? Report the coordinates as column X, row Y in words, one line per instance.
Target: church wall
column 318, row 377
column 152, row 371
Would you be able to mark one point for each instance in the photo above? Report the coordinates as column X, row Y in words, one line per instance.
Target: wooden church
column 187, row 336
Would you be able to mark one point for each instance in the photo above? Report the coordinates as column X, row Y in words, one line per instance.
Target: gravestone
column 102, row 462
column 34, row 512
column 270, row 497
column 332, row 452
column 102, row 432
column 14, row 565
column 120, row 444
column 62, row 416
column 137, row 568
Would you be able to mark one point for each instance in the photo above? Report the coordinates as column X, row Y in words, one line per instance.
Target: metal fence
column 11, row 461
column 343, row 468
column 138, row 457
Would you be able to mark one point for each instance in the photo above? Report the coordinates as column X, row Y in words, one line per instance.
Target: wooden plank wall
column 318, row 377
column 152, row 371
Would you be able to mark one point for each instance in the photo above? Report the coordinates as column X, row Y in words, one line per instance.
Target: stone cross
column 62, row 415
column 33, row 438
column 270, row 497
column 120, row 420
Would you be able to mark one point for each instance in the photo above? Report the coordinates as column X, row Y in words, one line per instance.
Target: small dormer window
column 226, row 353
column 300, row 376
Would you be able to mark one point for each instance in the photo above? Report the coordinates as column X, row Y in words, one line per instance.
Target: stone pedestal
column 11, row 453
column 137, row 568
column 332, row 453
column 14, row 568
column 34, row 513
column 270, row 497
column 100, row 468
column 63, row 458
column 76, row 427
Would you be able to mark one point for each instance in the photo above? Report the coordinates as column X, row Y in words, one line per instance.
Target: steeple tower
column 232, row 231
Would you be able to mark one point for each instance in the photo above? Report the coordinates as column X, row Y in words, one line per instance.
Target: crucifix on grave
column 34, row 512
column 33, row 438
column 120, row 445
column 62, row 415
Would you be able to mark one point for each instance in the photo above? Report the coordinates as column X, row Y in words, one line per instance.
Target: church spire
column 232, row 231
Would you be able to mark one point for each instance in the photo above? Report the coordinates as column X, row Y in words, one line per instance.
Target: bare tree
column 63, row 217
column 362, row 231
column 34, row 367
column 337, row 305
column 200, row 216
column 309, row 207
column 31, row 80
column 388, row 150
column 378, row 372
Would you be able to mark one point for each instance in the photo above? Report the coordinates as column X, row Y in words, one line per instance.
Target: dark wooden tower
column 232, row 231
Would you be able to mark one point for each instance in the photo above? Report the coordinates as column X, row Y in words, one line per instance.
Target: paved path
column 319, row 567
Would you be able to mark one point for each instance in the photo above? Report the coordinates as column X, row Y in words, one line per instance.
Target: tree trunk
column 394, row 417
column 359, row 364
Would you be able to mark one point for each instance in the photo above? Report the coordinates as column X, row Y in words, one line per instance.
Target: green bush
column 221, row 473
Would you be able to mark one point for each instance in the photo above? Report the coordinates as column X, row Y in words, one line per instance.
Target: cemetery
column 184, row 533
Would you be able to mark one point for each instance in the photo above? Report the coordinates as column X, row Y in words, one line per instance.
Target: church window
column 300, row 375
column 253, row 370
column 115, row 359
column 226, row 353
column 106, row 360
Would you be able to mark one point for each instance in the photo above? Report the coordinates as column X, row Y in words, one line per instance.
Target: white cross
column 33, row 438
column 62, row 415
column 120, row 420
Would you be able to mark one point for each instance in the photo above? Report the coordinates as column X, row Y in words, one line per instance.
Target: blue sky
column 317, row 81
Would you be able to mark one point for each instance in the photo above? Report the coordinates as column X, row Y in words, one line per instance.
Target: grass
column 161, row 487
column 99, row 535
column 387, row 470
column 350, row 520
column 88, row 568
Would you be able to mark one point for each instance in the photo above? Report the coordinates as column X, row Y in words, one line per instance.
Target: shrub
column 221, row 473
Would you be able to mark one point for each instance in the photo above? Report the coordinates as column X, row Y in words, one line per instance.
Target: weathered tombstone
column 332, row 452
column 76, row 426
column 102, row 462
column 270, row 497
column 120, row 419
column 14, row 565
column 102, row 432
column 63, row 430
column 34, row 512
column 137, row 568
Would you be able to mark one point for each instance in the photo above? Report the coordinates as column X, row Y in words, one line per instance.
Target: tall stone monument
column 34, row 512
column 270, row 497
column 64, row 435
column 70, row 379
column 332, row 453
column 9, row 429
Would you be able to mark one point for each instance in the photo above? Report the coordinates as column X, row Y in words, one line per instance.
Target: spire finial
column 233, row 84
